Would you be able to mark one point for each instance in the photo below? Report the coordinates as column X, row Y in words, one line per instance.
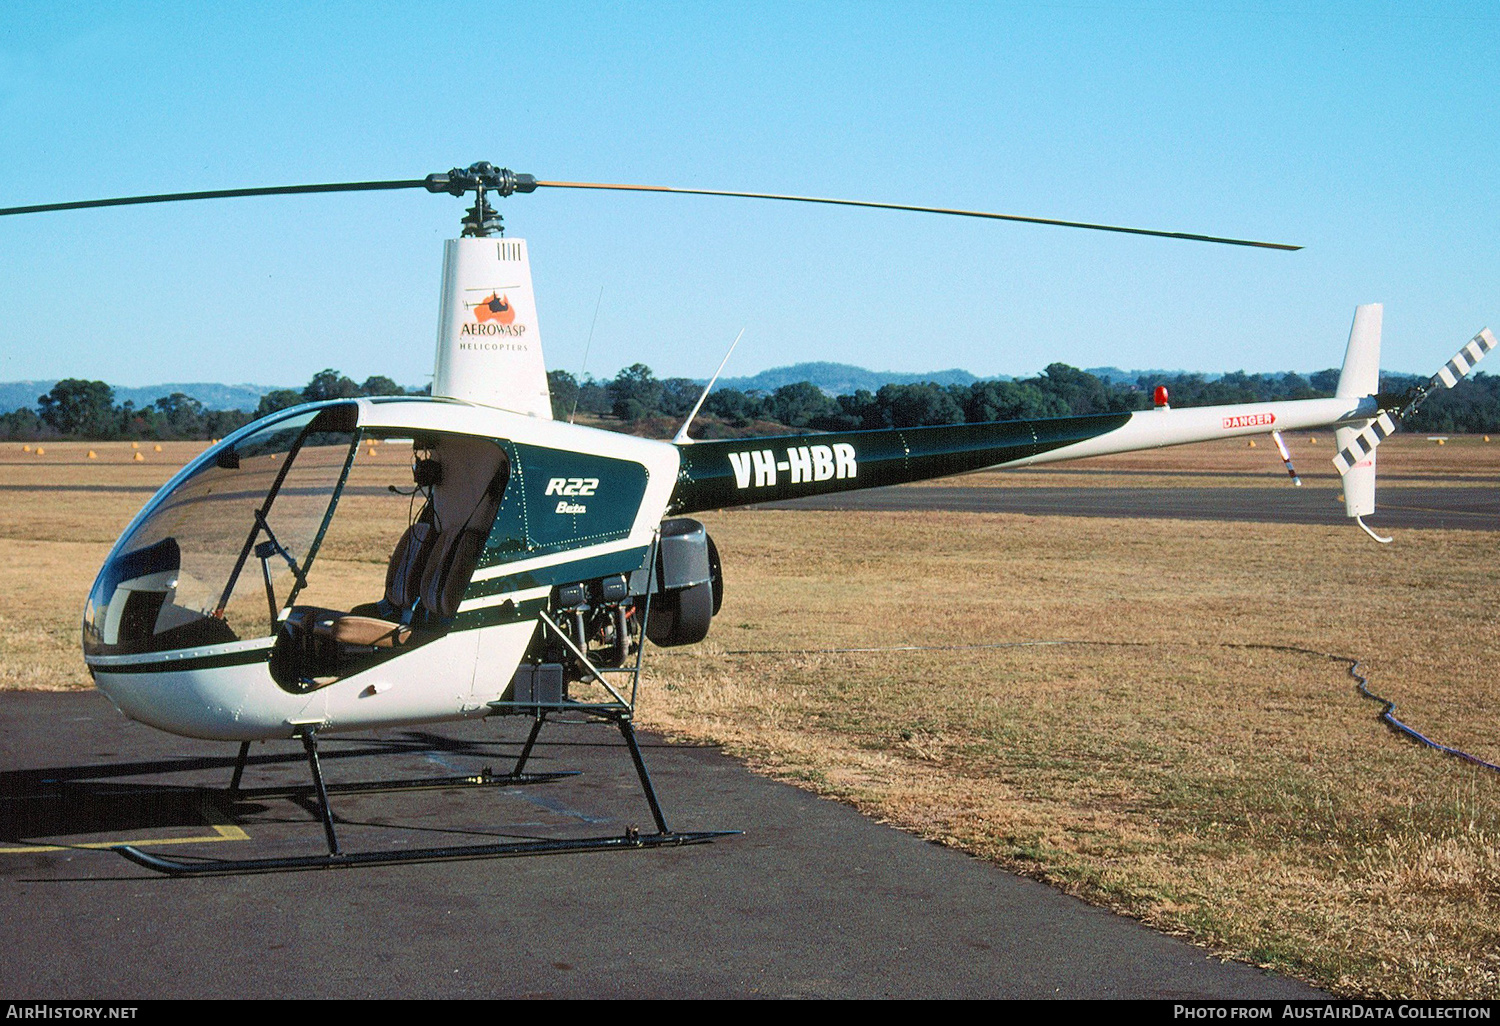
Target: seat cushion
column 362, row 630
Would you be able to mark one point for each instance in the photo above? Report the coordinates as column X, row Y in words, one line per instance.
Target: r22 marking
column 572, row 486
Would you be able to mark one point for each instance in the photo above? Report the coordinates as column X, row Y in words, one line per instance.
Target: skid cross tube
column 536, row 728
column 239, row 768
column 310, row 743
column 640, row 768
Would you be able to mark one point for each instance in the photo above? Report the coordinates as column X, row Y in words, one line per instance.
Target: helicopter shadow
column 54, row 806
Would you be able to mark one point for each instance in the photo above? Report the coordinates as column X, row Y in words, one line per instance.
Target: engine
column 676, row 599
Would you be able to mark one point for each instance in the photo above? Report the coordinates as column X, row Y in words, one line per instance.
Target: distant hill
column 16, row 394
column 842, row 378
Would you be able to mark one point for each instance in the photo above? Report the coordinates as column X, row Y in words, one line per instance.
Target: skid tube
column 339, row 859
column 172, row 866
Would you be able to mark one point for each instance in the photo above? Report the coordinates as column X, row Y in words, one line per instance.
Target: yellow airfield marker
column 223, row 831
column 138, row 456
column 135, row 445
column 1252, row 443
column 27, row 448
column 156, row 447
column 40, row 451
column 93, row 455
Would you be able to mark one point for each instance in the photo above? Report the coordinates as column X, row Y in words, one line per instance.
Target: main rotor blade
column 172, row 197
column 924, row 210
column 482, row 173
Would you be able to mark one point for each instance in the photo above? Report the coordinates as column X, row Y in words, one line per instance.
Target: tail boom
column 1154, row 429
column 734, row 472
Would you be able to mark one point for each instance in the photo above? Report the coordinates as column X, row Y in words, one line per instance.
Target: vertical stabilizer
column 489, row 346
column 1361, row 374
column 1359, row 378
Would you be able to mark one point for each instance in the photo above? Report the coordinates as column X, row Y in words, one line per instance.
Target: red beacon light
column 1161, row 398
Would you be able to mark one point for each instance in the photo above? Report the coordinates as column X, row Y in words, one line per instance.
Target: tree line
column 636, row 397
column 636, row 400
column 75, row 408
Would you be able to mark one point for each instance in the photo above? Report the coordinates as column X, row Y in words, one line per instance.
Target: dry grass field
column 1178, row 760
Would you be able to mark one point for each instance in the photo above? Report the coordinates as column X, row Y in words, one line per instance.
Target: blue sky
column 1365, row 131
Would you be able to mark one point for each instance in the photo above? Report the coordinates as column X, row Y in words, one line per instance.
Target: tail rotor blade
column 1364, row 443
column 1464, row 360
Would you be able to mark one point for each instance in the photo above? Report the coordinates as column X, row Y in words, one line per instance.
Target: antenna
column 584, row 369
column 681, row 438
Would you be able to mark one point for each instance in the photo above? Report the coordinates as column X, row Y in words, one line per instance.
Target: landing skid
column 338, row 859
column 173, row 866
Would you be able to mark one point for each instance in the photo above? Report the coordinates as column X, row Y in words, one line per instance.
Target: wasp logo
column 571, row 486
column 805, row 463
column 495, row 308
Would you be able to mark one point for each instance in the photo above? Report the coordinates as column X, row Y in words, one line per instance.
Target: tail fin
column 1359, row 378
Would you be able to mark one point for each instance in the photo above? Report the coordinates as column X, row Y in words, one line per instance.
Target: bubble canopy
column 215, row 556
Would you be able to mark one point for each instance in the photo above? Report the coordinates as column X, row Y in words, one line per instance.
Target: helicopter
column 527, row 561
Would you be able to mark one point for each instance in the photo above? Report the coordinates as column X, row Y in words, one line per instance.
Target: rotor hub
column 479, row 177
column 482, row 220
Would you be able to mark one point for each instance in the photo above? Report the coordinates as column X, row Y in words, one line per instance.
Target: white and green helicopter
column 530, row 557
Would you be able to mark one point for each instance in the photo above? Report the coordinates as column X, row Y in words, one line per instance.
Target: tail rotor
column 1355, row 460
column 1383, row 426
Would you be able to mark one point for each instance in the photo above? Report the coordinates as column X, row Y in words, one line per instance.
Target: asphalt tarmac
column 1468, row 508
column 813, row 900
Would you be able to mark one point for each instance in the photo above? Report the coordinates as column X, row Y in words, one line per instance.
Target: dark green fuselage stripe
column 505, row 612
column 567, row 572
column 210, row 662
column 707, row 477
